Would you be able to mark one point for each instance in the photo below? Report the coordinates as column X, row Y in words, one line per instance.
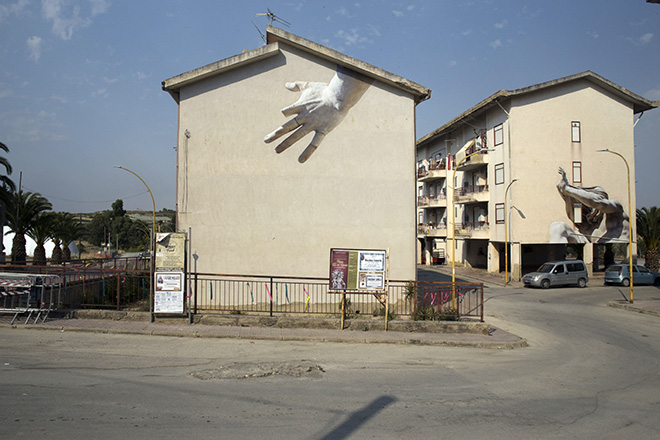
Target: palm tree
column 7, row 187
column 40, row 233
column 23, row 211
column 67, row 229
column 648, row 231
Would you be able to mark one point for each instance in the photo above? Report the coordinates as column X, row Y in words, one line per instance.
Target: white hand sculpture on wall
column 320, row 108
column 596, row 206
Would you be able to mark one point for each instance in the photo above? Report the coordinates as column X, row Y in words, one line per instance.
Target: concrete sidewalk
column 446, row 335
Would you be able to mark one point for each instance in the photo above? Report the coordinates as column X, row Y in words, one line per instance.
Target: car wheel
column 545, row 284
column 656, row 282
column 625, row 282
column 582, row 283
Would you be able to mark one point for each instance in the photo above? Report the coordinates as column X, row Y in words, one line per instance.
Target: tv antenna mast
column 272, row 17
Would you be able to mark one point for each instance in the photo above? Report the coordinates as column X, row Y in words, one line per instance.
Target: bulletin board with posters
column 169, row 277
column 359, row 271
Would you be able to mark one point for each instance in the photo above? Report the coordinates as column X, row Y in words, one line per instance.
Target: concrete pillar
column 588, row 256
column 493, row 257
column 516, row 261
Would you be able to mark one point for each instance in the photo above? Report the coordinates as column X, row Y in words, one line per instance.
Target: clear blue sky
column 80, row 80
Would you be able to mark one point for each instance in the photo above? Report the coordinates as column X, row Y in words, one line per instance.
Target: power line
column 83, row 201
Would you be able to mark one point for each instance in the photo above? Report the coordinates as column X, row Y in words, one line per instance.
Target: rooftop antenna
column 272, row 17
column 263, row 37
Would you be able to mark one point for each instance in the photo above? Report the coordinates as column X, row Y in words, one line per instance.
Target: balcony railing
column 473, row 229
column 431, row 200
column 471, row 189
column 432, row 229
column 433, row 165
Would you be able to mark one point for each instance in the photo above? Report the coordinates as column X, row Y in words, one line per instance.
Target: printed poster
column 169, row 293
column 357, row 270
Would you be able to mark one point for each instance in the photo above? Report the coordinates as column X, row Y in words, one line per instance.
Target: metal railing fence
column 114, row 285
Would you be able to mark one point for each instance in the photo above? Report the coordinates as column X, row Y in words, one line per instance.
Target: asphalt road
column 590, row 372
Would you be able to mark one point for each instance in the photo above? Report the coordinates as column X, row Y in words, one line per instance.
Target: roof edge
column 173, row 84
column 420, row 92
column 640, row 104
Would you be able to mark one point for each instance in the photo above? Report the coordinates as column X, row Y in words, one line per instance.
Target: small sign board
column 169, row 294
column 170, row 250
column 354, row 270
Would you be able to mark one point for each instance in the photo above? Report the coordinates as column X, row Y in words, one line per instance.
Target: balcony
column 473, row 230
column 434, row 170
column 476, row 161
column 472, row 194
column 432, row 230
column 432, row 201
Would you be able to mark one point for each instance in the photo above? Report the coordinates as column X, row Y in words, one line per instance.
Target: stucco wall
column 541, row 143
column 253, row 211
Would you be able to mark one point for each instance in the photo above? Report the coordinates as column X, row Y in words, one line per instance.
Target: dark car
column 620, row 274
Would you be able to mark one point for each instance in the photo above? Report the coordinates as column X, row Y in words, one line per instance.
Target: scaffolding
column 30, row 294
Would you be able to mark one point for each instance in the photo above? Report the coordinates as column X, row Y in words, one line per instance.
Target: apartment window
column 499, row 174
column 575, row 131
column 421, row 191
column 498, row 134
column 499, row 213
column 421, row 218
column 577, row 213
column 577, row 172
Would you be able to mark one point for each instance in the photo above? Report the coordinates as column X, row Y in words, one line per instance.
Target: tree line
column 29, row 214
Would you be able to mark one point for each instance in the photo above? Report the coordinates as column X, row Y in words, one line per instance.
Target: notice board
column 358, row 270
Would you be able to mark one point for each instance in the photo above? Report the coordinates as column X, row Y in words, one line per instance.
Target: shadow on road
column 357, row 419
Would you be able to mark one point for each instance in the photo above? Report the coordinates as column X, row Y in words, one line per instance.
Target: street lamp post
column 630, row 237
column 506, row 237
column 153, row 246
column 453, row 224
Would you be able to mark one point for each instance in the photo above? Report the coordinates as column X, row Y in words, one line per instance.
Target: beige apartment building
column 289, row 150
column 523, row 167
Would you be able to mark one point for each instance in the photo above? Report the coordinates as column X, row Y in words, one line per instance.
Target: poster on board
column 170, row 250
column 169, row 294
column 358, row 270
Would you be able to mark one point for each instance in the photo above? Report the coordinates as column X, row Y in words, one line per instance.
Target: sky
column 80, row 80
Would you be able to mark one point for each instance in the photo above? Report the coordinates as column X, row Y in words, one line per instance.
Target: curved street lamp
column 153, row 240
column 506, row 239
column 630, row 213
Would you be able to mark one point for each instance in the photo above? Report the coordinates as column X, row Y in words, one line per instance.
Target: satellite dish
column 272, row 17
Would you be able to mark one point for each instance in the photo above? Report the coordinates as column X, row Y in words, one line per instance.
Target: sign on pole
column 169, row 292
column 359, row 271
column 169, row 276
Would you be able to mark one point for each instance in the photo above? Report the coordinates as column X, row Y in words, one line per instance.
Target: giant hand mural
column 602, row 219
column 320, row 109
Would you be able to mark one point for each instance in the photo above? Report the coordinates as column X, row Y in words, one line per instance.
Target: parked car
column 620, row 274
column 558, row 273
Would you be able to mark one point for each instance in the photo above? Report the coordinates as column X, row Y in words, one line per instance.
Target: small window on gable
column 499, row 174
column 499, row 213
column 575, row 131
column 498, row 132
column 577, row 172
column 577, row 213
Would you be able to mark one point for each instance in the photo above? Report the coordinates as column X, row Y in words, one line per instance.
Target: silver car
column 620, row 274
column 558, row 273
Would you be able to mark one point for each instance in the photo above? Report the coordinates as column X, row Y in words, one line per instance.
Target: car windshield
column 546, row 268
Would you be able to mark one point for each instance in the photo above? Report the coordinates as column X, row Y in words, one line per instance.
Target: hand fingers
column 284, row 129
column 311, row 148
column 294, row 109
column 297, row 85
column 295, row 137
